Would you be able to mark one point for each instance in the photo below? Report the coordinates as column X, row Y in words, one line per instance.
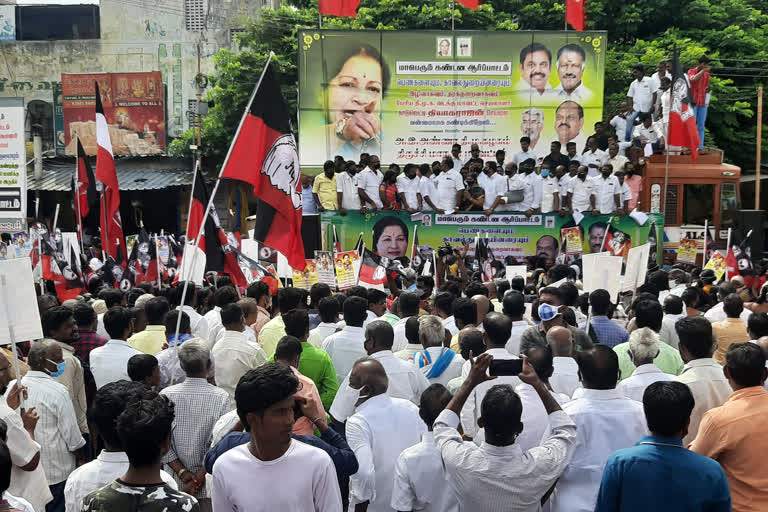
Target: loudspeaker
column 754, row 220
column 310, row 235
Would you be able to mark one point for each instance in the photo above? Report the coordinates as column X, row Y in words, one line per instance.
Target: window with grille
column 192, row 112
column 670, row 205
column 194, row 15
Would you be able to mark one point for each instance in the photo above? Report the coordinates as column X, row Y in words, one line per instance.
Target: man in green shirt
column 648, row 313
column 315, row 364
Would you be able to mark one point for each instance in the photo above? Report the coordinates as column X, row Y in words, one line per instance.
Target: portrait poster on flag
column 130, row 241
column 163, row 249
column 326, row 270
column 717, row 264
column 347, row 267
column 687, row 250
column 572, row 240
column 307, row 277
column 432, row 89
column 21, row 245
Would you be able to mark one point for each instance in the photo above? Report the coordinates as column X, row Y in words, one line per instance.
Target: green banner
column 390, row 233
column 409, row 95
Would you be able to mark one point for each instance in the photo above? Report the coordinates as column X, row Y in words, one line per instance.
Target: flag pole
column 105, row 234
column 77, row 201
column 159, row 271
column 213, row 195
column 605, row 235
column 452, row 15
column 706, row 235
column 727, row 248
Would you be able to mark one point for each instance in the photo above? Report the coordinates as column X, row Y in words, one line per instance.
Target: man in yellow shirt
column 274, row 330
column 324, row 189
column 732, row 329
column 152, row 339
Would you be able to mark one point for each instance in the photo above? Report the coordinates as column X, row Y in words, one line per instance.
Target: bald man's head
column 369, row 374
column 560, row 341
column 763, row 344
column 483, row 306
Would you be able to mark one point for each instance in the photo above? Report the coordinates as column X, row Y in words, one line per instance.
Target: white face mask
column 345, row 403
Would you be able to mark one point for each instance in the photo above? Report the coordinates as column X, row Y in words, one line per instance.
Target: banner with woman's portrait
column 408, row 96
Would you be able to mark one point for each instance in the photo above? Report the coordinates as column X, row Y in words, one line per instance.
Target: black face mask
column 582, row 177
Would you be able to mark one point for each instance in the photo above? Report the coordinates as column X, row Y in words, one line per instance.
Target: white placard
column 69, row 239
column 637, row 267
column 17, row 291
column 13, row 187
column 513, row 271
column 604, row 273
column 590, row 268
column 192, row 270
column 250, row 248
column 283, row 267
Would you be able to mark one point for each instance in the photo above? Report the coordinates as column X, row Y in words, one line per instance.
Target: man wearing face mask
column 347, row 196
column 563, row 179
column 59, row 326
column 379, row 430
column 368, row 185
column 533, row 192
column 494, row 186
column 607, row 193
column 580, row 198
column 405, row 380
column 633, row 178
column 324, row 188
column 58, row 435
column 550, row 192
column 409, row 189
column 550, row 311
column 513, row 182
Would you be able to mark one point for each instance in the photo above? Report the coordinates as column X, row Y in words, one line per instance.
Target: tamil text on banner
column 347, row 268
column 307, row 277
column 415, row 93
column 512, row 238
column 13, row 178
column 326, row 270
column 133, row 107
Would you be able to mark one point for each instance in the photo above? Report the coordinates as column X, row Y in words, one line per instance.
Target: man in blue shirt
column 658, row 473
column 605, row 331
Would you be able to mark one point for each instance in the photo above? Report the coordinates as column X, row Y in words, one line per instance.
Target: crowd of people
column 503, row 395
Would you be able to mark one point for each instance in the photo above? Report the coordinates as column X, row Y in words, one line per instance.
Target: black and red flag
column 263, row 154
column 112, row 240
column 372, row 273
column 84, row 189
column 681, row 130
column 151, row 272
column 576, row 14
column 345, row 8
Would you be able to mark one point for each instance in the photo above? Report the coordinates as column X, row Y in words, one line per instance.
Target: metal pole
column 320, row 19
column 199, row 116
column 759, row 144
column 210, row 199
column 77, row 202
column 706, row 235
column 605, row 235
column 727, row 248
column 452, row 16
column 159, row 270
column 12, row 334
column 666, row 181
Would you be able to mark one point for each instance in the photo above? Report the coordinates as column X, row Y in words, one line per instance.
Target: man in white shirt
column 378, row 431
column 405, row 380
column 273, row 469
column 500, row 474
column 112, row 462
column 716, row 313
column 198, row 324
column 438, row 363
column 368, row 182
column 109, row 363
column 449, row 186
column 571, row 153
column 497, row 331
column 27, row 476
column 494, row 185
column 563, row 179
column 593, row 157
column 550, row 190
column 607, row 421
column 427, row 188
column 221, row 297
column 420, row 478
column 458, row 163
column 565, row 378
column 443, row 307
column 641, row 96
column 701, row 373
column 648, row 132
column 525, row 152
column 328, row 309
column 56, row 431
column 346, row 346
column 661, row 72
column 112, row 297
column 643, row 349
column 616, row 160
column 625, row 194
column 516, row 184
column 235, row 354
column 408, row 304
column 571, row 60
column 514, row 307
column 607, row 192
column 534, row 180
column 346, row 189
column 408, row 187
column 580, row 192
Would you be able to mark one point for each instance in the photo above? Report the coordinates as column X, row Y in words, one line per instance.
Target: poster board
column 17, row 292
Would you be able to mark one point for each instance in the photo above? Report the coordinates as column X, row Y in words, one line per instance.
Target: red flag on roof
column 106, row 173
column 576, row 14
column 264, row 155
column 682, row 124
column 344, row 8
column 470, row 4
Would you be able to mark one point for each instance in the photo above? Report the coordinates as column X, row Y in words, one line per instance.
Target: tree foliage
column 734, row 33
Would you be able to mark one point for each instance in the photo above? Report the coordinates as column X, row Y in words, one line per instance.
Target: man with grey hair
column 438, row 363
column 56, row 431
column 531, row 124
column 565, row 378
column 643, row 349
column 198, row 406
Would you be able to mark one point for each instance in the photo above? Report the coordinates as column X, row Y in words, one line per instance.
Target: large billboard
column 13, row 168
column 511, row 236
column 133, row 105
column 408, row 96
